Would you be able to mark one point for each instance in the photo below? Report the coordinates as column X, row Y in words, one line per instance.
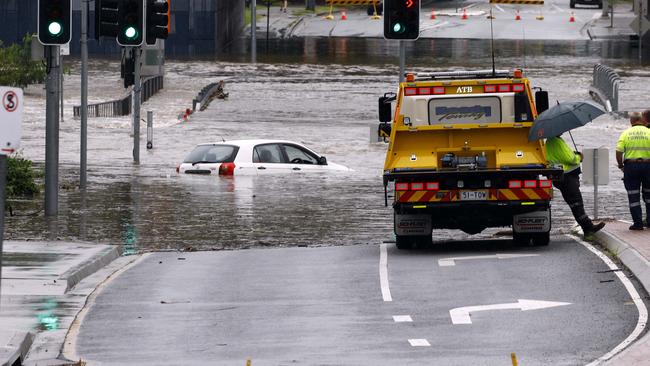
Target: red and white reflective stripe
column 410, row 91
column 424, row 91
column 490, row 88
column 419, row 186
column 514, row 184
column 530, row 184
column 438, row 90
column 401, row 186
column 545, row 183
column 517, row 88
column 504, row 88
column 433, row 186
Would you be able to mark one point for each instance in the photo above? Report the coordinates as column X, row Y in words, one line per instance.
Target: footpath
column 44, row 285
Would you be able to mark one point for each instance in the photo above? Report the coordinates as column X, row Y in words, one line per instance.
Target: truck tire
column 410, row 242
column 521, row 239
column 541, row 239
column 403, row 242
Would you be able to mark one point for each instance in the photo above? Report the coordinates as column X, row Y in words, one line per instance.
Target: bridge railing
column 122, row 107
column 604, row 87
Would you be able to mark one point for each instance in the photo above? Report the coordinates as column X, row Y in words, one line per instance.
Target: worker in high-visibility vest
column 559, row 153
column 633, row 157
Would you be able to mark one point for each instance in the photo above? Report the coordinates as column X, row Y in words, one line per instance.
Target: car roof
column 250, row 142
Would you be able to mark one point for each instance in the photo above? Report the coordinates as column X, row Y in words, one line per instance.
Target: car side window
column 297, row 155
column 268, row 153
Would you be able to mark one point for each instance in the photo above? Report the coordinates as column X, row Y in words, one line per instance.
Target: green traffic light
column 399, row 28
column 131, row 33
column 55, row 28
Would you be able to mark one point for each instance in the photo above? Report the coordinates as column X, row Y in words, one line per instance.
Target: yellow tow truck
column 460, row 158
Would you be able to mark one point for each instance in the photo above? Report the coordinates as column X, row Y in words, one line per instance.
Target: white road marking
column 500, row 8
column 643, row 311
column 419, row 343
column 383, row 273
column 461, row 315
column 402, row 318
column 558, row 8
column 447, row 262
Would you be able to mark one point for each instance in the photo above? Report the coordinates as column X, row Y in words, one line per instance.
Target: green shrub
column 21, row 177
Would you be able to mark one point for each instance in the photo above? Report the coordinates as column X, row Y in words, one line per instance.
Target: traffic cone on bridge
column 433, row 14
column 517, row 16
column 572, row 18
column 344, row 15
column 464, row 17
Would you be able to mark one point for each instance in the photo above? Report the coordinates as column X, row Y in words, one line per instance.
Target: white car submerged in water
column 255, row 157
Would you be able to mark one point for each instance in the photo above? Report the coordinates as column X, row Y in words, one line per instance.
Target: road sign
column 595, row 166
column 11, row 115
column 645, row 24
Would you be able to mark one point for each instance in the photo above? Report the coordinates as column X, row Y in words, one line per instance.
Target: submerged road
column 466, row 303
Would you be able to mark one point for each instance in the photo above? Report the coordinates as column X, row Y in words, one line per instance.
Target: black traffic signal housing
column 157, row 20
column 127, row 69
column 106, row 18
column 54, row 22
column 130, row 21
column 402, row 19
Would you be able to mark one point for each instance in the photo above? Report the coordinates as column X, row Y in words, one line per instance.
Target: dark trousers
column 636, row 175
column 570, row 189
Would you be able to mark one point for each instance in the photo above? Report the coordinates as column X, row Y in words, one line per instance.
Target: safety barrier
column 604, row 87
column 122, row 107
column 207, row 94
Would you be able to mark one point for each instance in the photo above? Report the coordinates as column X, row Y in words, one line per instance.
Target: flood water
column 321, row 92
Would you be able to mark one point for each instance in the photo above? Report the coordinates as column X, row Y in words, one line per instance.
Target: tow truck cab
column 459, row 156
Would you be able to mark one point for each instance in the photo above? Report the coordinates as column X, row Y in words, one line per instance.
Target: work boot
column 637, row 226
column 593, row 229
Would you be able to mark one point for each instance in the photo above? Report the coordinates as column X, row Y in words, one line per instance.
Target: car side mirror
column 322, row 160
column 541, row 101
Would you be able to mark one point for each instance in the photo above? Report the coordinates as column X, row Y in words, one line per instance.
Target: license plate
column 473, row 195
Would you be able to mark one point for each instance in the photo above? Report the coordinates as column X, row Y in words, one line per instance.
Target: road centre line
column 448, row 262
column 643, row 311
column 402, row 318
column 383, row 273
column 419, row 342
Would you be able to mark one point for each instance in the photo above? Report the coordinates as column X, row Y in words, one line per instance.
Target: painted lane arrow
column 462, row 315
column 447, row 262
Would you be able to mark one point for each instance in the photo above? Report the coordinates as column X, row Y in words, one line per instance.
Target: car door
column 301, row 159
column 270, row 159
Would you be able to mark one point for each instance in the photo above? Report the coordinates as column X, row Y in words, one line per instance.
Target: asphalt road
column 342, row 306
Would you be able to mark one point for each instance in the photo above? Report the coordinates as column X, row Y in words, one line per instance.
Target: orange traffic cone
column 464, row 17
column 517, row 17
column 572, row 19
column 433, row 14
column 344, row 15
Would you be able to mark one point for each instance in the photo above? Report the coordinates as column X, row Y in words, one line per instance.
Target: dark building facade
column 199, row 27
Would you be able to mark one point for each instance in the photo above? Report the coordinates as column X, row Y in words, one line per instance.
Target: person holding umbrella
column 559, row 153
column 633, row 157
column 551, row 124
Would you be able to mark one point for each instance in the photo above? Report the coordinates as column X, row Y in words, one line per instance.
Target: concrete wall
column 199, row 27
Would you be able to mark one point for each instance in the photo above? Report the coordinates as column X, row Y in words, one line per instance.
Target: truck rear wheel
column 521, row 239
column 403, row 242
column 541, row 239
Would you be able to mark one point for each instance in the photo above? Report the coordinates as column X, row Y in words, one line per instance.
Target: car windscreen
column 212, row 154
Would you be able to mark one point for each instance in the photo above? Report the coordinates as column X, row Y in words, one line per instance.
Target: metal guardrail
column 123, row 107
column 604, row 87
column 207, row 94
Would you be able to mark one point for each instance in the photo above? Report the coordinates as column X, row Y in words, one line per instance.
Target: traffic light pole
column 402, row 60
column 253, row 31
column 136, row 105
column 52, row 132
column 84, row 95
column 3, row 182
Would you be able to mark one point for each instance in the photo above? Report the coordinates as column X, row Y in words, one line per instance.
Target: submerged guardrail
column 604, row 87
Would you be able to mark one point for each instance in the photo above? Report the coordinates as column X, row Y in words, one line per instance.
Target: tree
column 17, row 68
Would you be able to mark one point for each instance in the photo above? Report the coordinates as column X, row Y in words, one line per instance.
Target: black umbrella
column 563, row 117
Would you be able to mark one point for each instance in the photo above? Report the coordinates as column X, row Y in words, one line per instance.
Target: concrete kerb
column 74, row 275
column 17, row 348
column 639, row 352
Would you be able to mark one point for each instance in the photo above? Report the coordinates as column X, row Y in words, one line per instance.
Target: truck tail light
column 490, row 88
column 545, row 183
column 517, row 88
column 410, row 91
column 503, row 88
column 227, row 169
column 438, row 90
column 424, row 91
column 514, row 184
column 401, row 186
column 530, row 184
column 417, row 186
column 433, row 186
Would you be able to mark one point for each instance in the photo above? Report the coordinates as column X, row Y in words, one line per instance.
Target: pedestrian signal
column 157, row 20
column 402, row 19
column 54, row 26
column 130, row 23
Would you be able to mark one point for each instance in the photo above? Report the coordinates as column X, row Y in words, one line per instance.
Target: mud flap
column 412, row 225
column 532, row 222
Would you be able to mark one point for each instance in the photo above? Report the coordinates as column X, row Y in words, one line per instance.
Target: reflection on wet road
column 328, row 107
